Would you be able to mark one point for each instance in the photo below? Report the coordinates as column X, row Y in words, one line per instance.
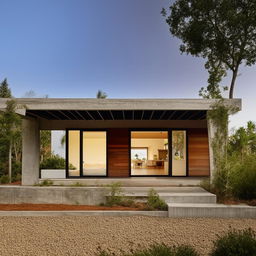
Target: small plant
column 154, row 202
column 116, row 196
column 77, row 184
column 4, row 179
column 235, row 243
column 45, row 183
column 158, row 250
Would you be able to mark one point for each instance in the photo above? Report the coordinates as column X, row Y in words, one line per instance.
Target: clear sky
column 72, row 48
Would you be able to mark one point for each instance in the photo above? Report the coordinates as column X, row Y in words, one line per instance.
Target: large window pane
column 149, row 153
column 74, row 153
column 179, row 156
column 94, row 153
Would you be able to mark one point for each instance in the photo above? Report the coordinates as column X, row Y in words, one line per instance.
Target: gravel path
column 83, row 235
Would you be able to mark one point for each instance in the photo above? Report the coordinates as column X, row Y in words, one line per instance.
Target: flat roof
column 117, row 104
column 116, row 109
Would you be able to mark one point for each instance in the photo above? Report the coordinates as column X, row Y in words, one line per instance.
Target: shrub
column 159, row 250
column 154, row 202
column 4, row 179
column 242, row 178
column 116, row 196
column 55, row 162
column 235, row 243
column 45, row 183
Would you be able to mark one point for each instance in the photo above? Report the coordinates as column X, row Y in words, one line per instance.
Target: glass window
column 94, row 153
column 149, row 153
column 179, row 156
column 74, row 153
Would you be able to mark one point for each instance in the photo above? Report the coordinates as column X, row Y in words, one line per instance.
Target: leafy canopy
column 222, row 31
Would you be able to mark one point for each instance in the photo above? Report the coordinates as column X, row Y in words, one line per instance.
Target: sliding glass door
column 94, row 153
column 86, row 153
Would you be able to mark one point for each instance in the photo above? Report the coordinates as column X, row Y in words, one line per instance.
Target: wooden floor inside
column 148, row 171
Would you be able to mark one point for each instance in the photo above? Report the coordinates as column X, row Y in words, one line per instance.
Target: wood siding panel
column 198, row 152
column 118, row 152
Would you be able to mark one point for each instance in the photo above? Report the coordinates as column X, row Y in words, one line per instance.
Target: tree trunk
column 232, row 85
column 10, row 162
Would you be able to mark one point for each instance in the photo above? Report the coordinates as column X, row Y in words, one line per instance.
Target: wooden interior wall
column 198, row 152
column 118, row 152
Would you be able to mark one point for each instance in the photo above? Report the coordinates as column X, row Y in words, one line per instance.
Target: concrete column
column 211, row 135
column 30, row 151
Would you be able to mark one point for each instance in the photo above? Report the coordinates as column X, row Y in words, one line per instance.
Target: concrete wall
column 30, row 151
column 51, row 195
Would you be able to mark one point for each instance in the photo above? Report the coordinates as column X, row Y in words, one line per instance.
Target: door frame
column 169, row 151
column 81, row 176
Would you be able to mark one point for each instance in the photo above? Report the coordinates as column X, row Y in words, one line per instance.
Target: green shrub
column 116, row 196
column 4, row 179
column 154, row 202
column 242, row 178
column 45, row 183
column 55, row 162
column 235, row 243
column 158, row 250
column 77, row 184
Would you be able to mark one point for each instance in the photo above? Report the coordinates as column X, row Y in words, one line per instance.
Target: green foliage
column 243, row 141
column 221, row 31
column 10, row 136
column 101, row 95
column 4, row 179
column 45, row 144
column 242, row 178
column 159, row 250
column 5, row 91
column 154, row 202
column 45, row 183
column 116, row 196
column 236, row 243
column 77, row 184
column 55, row 162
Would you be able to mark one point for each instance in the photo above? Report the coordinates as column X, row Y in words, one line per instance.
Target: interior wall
column 152, row 144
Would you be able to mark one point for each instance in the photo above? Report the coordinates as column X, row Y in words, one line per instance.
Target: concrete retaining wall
column 51, row 195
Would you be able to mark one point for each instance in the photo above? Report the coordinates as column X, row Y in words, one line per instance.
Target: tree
column 5, row 91
column 221, row 31
column 10, row 129
column 101, row 95
column 45, row 144
column 243, row 141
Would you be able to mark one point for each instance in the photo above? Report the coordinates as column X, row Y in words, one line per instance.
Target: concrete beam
column 30, row 151
column 118, row 104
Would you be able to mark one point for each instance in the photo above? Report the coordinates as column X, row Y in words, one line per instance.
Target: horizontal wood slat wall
column 198, row 152
column 118, row 152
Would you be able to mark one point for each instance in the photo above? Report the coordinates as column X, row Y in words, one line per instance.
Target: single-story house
column 107, row 138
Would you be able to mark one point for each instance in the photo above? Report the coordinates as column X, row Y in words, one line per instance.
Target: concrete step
column 181, row 210
column 173, row 195
column 204, row 198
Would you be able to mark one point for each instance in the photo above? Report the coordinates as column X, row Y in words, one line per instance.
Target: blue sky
column 72, row 48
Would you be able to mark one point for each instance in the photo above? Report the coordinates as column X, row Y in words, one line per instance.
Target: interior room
column 149, row 153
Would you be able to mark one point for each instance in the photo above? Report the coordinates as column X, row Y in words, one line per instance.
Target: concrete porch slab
column 133, row 181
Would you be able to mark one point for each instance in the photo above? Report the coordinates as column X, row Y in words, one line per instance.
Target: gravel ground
column 84, row 235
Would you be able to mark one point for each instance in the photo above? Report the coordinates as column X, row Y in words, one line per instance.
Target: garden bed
column 65, row 207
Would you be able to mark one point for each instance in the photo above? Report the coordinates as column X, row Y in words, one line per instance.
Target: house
column 107, row 138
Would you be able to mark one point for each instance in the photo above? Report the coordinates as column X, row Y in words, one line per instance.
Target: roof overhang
column 117, row 109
